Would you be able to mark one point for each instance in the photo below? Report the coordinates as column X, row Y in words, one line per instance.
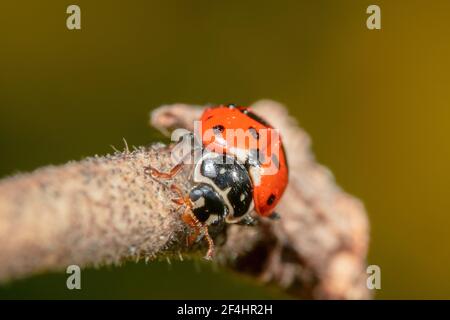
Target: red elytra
column 232, row 130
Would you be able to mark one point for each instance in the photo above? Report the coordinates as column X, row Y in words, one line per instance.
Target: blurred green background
column 376, row 103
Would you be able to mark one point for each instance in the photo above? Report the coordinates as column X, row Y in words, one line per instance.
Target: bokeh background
column 376, row 103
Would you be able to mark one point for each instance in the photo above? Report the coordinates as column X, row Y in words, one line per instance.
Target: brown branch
column 103, row 210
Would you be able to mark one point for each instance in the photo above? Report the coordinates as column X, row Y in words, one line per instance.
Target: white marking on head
column 210, row 169
column 198, row 177
column 212, row 218
column 200, row 202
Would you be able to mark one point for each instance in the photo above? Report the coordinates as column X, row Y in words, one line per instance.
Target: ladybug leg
column 210, row 252
column 248, row 221
column 197, row 227
column 197, row 152
column 181, row 199
column 154, row 173
column 178, row 201
column 275, row 216
column 177, row 190
column 191, row 220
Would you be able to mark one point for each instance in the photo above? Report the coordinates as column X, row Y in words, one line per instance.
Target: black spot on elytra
column 218, row 129
column 209, row 117
column 271, row 199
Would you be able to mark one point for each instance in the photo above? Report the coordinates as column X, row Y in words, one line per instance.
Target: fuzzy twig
column 103, row 210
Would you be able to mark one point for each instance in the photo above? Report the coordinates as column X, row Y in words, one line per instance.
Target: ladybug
column 242, row 170
column 270, row 176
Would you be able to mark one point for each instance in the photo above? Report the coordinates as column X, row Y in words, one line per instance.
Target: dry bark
column 104, row 210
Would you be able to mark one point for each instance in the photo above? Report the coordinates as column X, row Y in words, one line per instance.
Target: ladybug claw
column 178, row 201
column 248, row 221
column 207, row 257
column 192, row 239
column 275, row 216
